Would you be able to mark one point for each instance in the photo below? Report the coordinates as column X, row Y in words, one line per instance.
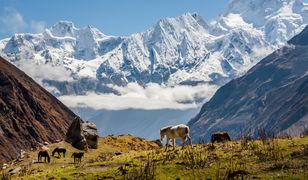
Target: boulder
column 90, row 133
column 82, row 135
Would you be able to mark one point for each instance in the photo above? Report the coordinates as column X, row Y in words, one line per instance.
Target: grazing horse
column 174, row 132
column 59, row 150
column 77, row 156
column 220, row 137
column 43, row 154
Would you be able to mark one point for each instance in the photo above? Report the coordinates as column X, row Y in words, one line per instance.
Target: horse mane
column 165, row 128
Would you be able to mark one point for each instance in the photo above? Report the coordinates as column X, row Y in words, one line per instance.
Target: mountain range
column 182, row 50
column 272, row 97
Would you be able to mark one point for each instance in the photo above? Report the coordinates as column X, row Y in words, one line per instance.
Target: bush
column 195, row 158
column 146, row 171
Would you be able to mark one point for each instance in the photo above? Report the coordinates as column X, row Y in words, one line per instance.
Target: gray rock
column 75, row 135
column 90, row 133
column 82, row 135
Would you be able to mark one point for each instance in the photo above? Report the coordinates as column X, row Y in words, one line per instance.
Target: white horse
column 175, row 132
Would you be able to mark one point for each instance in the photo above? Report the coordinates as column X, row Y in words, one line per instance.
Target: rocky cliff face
column 272, row 95
column 28, row 113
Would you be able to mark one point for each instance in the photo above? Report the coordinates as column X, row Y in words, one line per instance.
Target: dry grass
column 127, row 157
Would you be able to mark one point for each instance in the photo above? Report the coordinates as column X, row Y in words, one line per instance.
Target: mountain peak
column 257, row 12
column 63, row 28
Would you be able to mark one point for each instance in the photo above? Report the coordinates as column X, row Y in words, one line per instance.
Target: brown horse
column 77, row 156
column 220, row 137
column 43, row 154
column 59, row 150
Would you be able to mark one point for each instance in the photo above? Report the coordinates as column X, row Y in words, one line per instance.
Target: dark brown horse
column 220, row 137
column 43, row 154
column 77, row 156
column 59, row 150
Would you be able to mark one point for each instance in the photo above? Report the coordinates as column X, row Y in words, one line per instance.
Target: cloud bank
column 40, row 72
column 151, row 97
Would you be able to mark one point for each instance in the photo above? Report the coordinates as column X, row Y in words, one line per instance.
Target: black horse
column 59, row 150
column 77, row 156
column 43, row 154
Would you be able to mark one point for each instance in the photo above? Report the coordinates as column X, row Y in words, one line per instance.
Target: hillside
column 28, row 113
column 128, row 157
column 273, row 95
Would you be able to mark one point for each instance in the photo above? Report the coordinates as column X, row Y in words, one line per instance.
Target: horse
column 220, row 137
column 43, row 154
column 77, row 156
column 174, row 132
column 59, row 150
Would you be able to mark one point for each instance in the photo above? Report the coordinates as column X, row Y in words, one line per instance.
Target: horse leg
column 64, row 154
column 189, row 140
column 167, row 144
column 184, row 139
column 173, row 142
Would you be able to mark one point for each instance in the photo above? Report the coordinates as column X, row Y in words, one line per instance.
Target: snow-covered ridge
column 181, row 50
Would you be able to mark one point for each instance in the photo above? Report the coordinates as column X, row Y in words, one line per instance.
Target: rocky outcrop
column 82, row 135
column 90, row 133
column 29, row 115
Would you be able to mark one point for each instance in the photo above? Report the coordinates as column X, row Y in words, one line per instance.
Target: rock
column 4, row 166
column 46, row 143
column 75, row 135
column 82, row 135
column 44, row 148
column 14, row 171
column 90, row 133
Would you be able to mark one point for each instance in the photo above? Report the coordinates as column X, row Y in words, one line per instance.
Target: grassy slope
column 268, row 159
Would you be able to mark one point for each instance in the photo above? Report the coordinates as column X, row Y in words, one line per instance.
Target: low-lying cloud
column 150, row 97
column 40, row 72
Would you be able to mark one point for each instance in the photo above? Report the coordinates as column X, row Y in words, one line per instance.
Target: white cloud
column 261, row 52
column 44, row 71
column 13, row 22
column 37, row 26
column 153, row 96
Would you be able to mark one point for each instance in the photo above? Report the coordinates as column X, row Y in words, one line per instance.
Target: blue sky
column 113, row 17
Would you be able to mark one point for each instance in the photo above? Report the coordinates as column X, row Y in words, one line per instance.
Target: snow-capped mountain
column 181, row 50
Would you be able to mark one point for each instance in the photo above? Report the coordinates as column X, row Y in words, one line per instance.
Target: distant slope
column 272, row 95
column 28, row 113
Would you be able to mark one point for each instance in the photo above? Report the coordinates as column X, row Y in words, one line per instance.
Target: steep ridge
column 273, row 95
column 180, row 50
column 29, row 115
